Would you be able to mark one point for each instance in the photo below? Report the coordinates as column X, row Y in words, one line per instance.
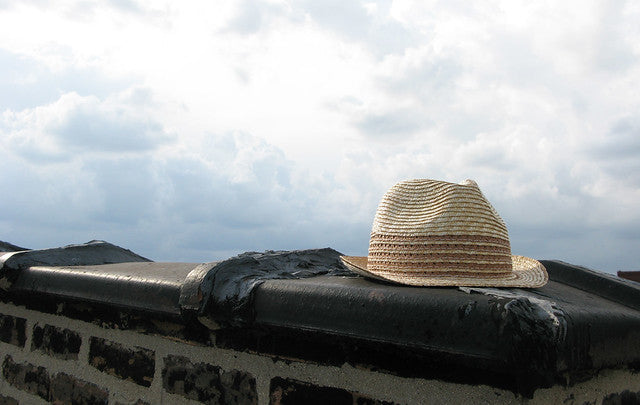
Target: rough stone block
column 625, row 397
column 12, row 330
column 207, row 383
column 362, row 400
column 56, row 342
column 8, row 400
column 26, row 377
column 66, row 389
column 287, row 391
column 135, row 364
column 138, row 402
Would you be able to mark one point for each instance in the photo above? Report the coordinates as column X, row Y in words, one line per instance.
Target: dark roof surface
column 9, row 247
column 630, row 275
column 581, row 320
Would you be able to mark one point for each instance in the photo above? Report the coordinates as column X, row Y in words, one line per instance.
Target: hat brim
column 527, row 273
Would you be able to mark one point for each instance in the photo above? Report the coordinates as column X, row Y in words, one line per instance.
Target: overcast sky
column 193, row 131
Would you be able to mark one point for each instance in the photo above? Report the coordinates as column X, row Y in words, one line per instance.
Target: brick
column 57, row 342
column 61, row 389
column 8, row 400
column 135, row 364
column 13, row 330
column 207, row 383
column 66, row 389
column 623, row 398
column 287, row 391
column 138, row 402
column 26, row 377
column 362, row 400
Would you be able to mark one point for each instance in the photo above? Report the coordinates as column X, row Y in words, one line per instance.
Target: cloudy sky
column 192, row 131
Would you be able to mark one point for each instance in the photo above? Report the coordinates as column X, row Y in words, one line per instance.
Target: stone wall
column 52, row 358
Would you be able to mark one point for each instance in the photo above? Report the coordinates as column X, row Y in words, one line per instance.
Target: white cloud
column 119, row 176
column 198, row 130
column 76, row 125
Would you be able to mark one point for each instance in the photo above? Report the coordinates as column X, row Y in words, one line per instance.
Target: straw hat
column 434, row 233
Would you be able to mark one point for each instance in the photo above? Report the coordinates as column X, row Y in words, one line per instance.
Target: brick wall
column 48, row 358
column 52, row 358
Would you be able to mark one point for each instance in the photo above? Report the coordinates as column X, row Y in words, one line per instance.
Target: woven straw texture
column 434, row 233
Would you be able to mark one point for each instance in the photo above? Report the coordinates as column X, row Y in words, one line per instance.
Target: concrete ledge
column 302, row 306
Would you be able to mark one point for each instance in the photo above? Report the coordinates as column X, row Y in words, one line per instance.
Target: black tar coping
column 100, row 272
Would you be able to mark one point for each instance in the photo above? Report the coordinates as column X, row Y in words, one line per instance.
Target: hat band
column 442, row 267
column 440, row 254
column 432, row 274
column 490, row 243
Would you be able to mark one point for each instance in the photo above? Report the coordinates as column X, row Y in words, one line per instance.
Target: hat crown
column 429, row 227
column 429, row 207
